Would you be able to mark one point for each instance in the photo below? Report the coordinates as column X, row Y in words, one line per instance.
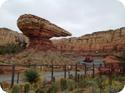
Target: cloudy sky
column 76, row 16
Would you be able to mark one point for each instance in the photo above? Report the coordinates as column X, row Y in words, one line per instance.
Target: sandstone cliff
column 7, row 36
column 103, row 41
column 39, row 31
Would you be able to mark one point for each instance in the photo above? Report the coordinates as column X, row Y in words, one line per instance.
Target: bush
column 63, row 84
column 32, row 76
column 71, row 84
column 78, row 91
column 122, row 60
column 82, row 84
column 53, row 88
column 15, row 89
column 10, row 49
column 26, row 88
column 39, row 91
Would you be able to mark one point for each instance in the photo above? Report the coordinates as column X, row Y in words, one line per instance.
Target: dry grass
column 36, row 57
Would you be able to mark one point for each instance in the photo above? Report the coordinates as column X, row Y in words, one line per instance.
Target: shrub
column 32, row 76
column 78, row 91
column 63, row 84
column 15, row 89
column 53, row 88
column 71, row 84
column 10, row 49
column 82, row 84
column 39, row 91
column 122, row 60
column 26, row 88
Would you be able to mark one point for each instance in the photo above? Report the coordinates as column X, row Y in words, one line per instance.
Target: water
column 7, row 77
column 47, row 75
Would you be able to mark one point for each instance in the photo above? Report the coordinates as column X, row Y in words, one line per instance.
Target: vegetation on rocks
column 43, row 57
column 37, row 57
column 11, row 49
column 122, row 60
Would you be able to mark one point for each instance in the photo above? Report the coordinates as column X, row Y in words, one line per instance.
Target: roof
column 111, row 60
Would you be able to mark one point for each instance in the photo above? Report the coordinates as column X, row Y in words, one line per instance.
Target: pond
column 60, row 74
column 45, row 75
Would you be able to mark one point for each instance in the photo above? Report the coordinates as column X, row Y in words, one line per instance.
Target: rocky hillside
column 110, row 41
column 8, row 36
column 103, row 41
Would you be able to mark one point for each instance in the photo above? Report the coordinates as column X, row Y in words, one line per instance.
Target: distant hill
column 8, row 36
column 110, row 41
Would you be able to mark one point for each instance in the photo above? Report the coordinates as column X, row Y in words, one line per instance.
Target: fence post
column 69, row 68
column 64, row 71
column 110, row 78
column 35, row 66
column 18, row 75
column 123, row 67
column 13, row 75
column 85, row 69
column 93, row 70
column 120, row 66
column 76, row 72
column 100, row 78
column 52, row 72
column 100, row 73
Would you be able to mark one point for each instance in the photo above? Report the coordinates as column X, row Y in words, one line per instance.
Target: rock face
column 104, row 41
column 39, row 31
column 8, row 36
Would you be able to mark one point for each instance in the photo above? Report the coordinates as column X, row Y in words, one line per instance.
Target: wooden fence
column 93, row 69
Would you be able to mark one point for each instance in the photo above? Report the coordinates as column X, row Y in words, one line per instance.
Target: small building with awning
column 112, row 63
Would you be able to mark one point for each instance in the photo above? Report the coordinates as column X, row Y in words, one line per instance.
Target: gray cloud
column 77, row 16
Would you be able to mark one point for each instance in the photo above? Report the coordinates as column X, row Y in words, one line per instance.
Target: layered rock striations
column 104, row 41
column 8, row 36
column 39, row 31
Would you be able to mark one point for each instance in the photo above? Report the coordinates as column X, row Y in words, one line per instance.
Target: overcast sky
column 76, row 16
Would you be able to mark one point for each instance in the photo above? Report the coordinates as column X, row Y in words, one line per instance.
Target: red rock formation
column 39, row 31
column 8, row 36
column 104, row 42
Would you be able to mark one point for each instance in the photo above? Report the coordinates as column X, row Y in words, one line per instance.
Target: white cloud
column 77, row 16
